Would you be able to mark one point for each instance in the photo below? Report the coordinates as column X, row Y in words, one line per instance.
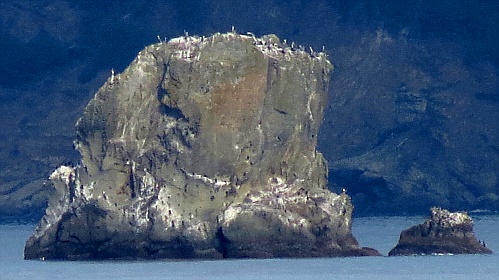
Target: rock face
column 201, row 148
column 443, row 233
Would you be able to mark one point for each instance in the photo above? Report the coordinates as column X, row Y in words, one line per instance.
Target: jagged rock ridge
column 443, row 233
column 201, row 148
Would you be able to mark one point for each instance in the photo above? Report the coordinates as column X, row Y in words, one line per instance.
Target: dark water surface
column 378, row 232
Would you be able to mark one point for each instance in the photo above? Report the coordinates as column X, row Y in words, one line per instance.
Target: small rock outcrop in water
column 201, row 148
column 443, row 233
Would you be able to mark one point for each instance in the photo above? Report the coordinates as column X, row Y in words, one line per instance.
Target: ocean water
column 377, row 232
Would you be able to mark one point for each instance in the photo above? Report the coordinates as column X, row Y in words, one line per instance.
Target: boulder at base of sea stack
column 201, row 148
column 444, row 233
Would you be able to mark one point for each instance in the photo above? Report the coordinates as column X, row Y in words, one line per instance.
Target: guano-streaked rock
column 201, row 148
column 443, row 233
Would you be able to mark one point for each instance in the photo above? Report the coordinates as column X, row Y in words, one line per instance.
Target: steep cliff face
column 410, row 127
column 202, row 147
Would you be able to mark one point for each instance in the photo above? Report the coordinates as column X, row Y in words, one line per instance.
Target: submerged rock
column 444, row 233
column 201, row 148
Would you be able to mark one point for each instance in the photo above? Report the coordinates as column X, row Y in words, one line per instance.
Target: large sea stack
column 443, row 233
column 201, row 148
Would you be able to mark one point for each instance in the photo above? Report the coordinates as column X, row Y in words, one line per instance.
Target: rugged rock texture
column 444, row 233
column 201, row 148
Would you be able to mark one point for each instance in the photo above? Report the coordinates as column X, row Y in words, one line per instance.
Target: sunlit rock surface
column 443, row 233
column 201, row 148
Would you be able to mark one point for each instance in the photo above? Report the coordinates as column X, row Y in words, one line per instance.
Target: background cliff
column 413, row 113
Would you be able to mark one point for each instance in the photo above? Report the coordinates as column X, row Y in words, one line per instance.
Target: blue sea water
column 378, row 232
